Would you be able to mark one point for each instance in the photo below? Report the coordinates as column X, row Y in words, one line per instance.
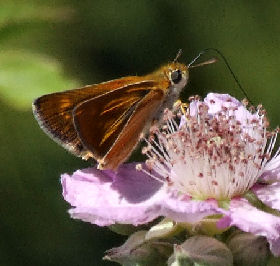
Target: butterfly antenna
column 177, row 55
column 229, row 68
column 194, row 60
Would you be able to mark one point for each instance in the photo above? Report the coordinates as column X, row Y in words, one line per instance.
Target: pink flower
column 219, row 151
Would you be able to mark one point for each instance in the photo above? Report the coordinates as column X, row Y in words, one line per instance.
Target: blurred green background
column 48, row 46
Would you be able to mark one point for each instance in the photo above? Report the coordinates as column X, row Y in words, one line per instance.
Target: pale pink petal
column 193, row 112
column 183, row 121
column 186, row 210
column 216, row 102
column 129, row 196
column 249, row 219
column 194, row 107
column 271, row 171
column 269, row 194
column 105, row 197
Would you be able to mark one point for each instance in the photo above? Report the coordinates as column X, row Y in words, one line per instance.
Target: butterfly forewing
column 54, row 112
column 99, row 121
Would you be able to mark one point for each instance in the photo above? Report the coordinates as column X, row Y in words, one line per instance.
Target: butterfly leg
column 179, row 104
column 86, row 155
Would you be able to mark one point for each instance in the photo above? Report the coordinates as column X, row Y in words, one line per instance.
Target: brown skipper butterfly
column 104, row 121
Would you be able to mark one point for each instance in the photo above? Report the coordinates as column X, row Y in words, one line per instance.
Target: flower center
column 218, row 150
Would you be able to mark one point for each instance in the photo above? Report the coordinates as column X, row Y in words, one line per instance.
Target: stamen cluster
column 213, row 153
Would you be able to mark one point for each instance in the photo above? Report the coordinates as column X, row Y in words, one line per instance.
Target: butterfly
column 105, row 121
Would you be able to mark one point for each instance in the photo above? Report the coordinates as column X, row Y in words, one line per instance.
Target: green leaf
column 201, row 251
column 25, row 76
column 19, row 11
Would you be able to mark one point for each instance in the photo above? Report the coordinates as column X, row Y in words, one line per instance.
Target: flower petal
column 250, row 219
column 105, row 197
column 128, row 196
column 216, row 102
column 186, row 210
column 271, row 171
column 269, row 194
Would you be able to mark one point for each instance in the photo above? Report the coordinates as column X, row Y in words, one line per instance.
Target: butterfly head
column 177, row 74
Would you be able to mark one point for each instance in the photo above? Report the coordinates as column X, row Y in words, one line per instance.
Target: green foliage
column 24, row 76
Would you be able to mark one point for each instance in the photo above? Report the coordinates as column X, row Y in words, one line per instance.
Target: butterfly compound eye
column 176, row 76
